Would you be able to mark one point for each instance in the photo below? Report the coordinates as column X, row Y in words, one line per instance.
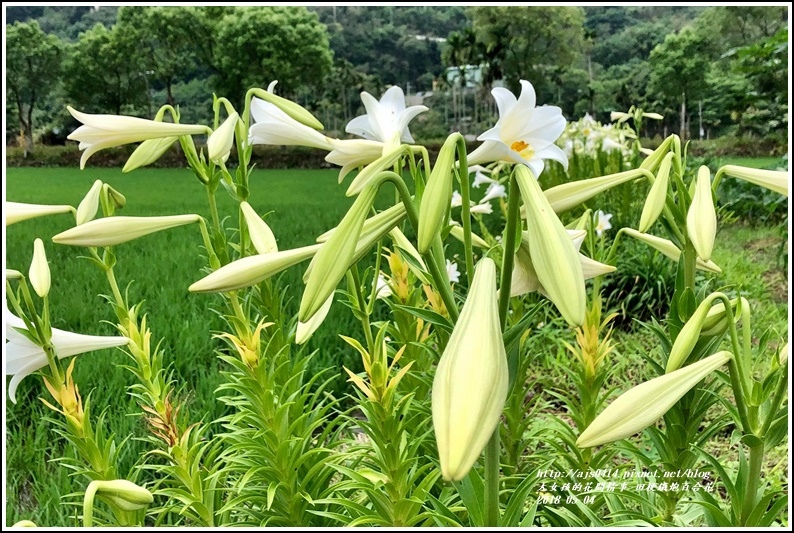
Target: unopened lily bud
column 124, row 494
column 13, row 274
column 118, row 199
column 669, row 249
column 471, row 381
column 220, row 142
column 553, row 253
column 457, row 232
column 716, row 322
column 306, row 329
column 17, row 212
column 39, row 274
column 110, row 231
column 148, row 152
column 435, row 201
column 334, row 256
column 251, row 270
column 569, row 195
column 87, row 209
column 292, row 109
column 656, row 157
column 654, row 116
column 644, row 404
column 261, row 235
column 783, row 355
column 689, row 335
column 657, row 196
column 701, row 219
column 774, row 180
column 387, row 218
column 619, row 116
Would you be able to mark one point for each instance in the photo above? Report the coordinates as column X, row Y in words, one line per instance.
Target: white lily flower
column 386, row 121
column 479, row 176
column 482, row 209
column 219, row 144
column 452, row 271
column 524, row 134
column 457, row 199
column 107, row 131
column 17, row 212
column 23, row 357
column 353, row 153
column 276, row 127
column 603, row 223
column 495, row 190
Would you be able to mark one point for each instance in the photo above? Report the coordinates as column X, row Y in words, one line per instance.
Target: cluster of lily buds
column 586, row 137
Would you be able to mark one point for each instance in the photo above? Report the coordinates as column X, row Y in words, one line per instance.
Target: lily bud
column 124, row 494
column 569, row 195
column 654, row 116
column 656, row 157
column 669, row 249
column 13, row 274
column 657, row 196
column 261, row 235
column 619, row 116
column 39, row 274
column 716, row 322
column 471, row 381
column 689, row 335
column 292, row 109
column 334, row 256
column 148, row 152
column 220, row 142
column 644, row 404
column 306, row 329
column 17, row 212
column 553, row 253
column 118, row 199
column 110, row 231
column 701, row 219
column 457, row 232
column 387, row 218
column 24, row 523
column 783, row 355
column 87, row 209
column 251, row 270
column 436, row 197
column 774, row 180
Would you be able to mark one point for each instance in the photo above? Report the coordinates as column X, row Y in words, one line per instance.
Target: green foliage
column 254, row 46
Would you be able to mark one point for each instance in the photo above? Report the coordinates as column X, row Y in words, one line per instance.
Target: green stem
column 492, row 481
column 509, row 247
column 690, row 262
column 777, row 399
column 753, row 478
column 216, row 223
column 362, row 306
column 465, row 191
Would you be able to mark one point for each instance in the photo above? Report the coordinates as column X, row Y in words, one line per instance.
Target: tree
column 171, row 40
column 679, row 66
column 257, row 45
column 33, row 61
column 106, row 72
column 528, row 41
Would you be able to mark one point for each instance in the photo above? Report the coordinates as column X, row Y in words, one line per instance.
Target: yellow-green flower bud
column 334, row 256
column 470, row 384
column 774, row 180
column 644, row 404
column 306, row 329
column 701, row 219
column 148, row 152
column 251, row 270
column 126, row 495
column 569, row 195
column 437, row 196
column 111, row 231
column 387, row 218
column 669, row 249
column 261, row 235
column 553, row 253
column 39, row 274
column 656, row 157
column 87, row 209
column 13, row 274
column 783, row 355
column 689, row 335
column 716, row 322
column 657, row 196
column 220, row 142
column 118, row 199
column 457, row 232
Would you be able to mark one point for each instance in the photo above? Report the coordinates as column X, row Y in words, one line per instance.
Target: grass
column 302, row 205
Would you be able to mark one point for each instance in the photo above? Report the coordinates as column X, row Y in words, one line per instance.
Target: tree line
column 717, row 70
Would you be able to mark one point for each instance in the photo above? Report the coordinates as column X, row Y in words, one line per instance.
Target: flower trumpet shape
column 644, row 404
column 23, row 357
column 353, row 153
column 523, row 134
column 386, row 120
column 39, row 274
column 274, row 126
column 17, row 212
column 774, row 180
column 470, row 385
column 116, row 230
column 220, row 142
column 554, row 256
column 669, row 249
column 701, row 219
column 251, row 270
column 106, row 131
